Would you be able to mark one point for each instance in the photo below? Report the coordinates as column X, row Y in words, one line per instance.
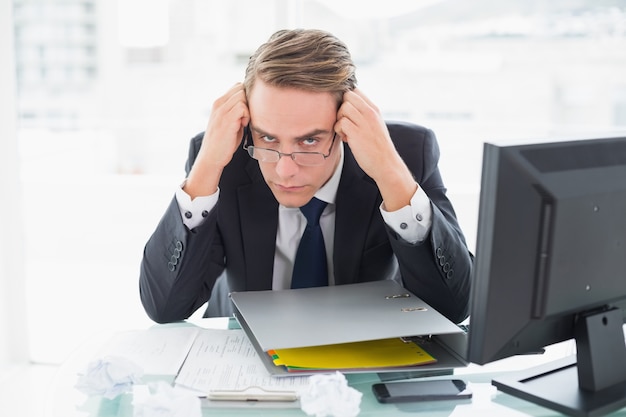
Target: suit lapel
column 259, row 223
column 357, row 199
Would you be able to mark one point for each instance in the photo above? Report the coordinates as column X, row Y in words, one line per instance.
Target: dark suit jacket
column 180, row 266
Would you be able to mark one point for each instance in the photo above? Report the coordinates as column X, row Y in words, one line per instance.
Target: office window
column 105, row 114
column 13, row 344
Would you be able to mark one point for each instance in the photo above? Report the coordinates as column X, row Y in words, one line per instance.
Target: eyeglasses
column 270, row 155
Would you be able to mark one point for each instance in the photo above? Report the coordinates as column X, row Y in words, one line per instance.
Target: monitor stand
column 589, row 384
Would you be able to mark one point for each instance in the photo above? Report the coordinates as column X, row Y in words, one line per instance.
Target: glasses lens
column 272, row 156
column 263, row 155
column 308, row 159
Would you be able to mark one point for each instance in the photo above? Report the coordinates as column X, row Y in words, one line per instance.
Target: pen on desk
column 252, row 394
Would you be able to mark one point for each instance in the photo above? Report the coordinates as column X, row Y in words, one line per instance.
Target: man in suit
column 295, row 129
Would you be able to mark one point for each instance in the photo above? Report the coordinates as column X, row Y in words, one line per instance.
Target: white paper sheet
column 158, row 351
column 226, row 360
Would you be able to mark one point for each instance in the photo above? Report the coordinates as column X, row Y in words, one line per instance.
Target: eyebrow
column 313, row 133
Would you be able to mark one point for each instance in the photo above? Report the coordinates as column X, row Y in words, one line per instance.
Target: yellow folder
column 383, row 353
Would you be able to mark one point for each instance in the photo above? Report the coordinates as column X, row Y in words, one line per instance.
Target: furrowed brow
column 313, row 133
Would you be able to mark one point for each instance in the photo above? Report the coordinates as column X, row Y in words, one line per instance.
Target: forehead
column 289, row 110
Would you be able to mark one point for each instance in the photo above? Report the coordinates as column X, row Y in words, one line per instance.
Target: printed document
column 226, row 360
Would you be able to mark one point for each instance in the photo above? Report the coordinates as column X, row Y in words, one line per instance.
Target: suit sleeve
column 439, row 268
column 176, row 275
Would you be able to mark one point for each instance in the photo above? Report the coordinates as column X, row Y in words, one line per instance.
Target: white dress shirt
column 412, row 223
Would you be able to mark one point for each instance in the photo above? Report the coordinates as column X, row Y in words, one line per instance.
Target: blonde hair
column 308, row 59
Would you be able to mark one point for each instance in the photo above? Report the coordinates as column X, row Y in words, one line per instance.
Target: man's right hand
column 229, row 117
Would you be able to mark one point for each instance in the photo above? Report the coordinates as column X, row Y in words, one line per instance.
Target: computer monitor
column 551, row 266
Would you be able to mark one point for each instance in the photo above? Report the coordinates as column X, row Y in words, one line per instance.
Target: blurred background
column 109, row 93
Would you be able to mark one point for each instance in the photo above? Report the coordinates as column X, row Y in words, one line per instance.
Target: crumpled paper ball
column 167, row 401
column 109, row 377
column 329, row 395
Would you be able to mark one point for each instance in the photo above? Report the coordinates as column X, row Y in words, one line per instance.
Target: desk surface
column 64, row 400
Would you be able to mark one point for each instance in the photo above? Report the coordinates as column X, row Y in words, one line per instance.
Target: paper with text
column 226, row 360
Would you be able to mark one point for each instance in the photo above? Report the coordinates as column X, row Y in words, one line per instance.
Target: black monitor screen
column 550, row 253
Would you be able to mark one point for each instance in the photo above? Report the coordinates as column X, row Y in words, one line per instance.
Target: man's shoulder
column 408, row 134
column 416, row 144
column 402, row 129
column 196, row 141
column 238, row 164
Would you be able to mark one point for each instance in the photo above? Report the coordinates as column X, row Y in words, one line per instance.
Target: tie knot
column 313, row 210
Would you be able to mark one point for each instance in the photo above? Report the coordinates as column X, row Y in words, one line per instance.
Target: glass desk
column 63, row 400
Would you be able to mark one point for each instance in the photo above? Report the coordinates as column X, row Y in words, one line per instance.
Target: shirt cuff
column 412, row 223
column 193, row 212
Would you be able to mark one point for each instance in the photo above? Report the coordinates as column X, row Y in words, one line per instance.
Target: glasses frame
column 247, row 136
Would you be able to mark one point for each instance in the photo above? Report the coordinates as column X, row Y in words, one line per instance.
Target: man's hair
column 307, row 59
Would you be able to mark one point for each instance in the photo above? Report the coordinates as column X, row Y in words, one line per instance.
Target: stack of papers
column 371, row 354
column 225, row 360
column 205, row 361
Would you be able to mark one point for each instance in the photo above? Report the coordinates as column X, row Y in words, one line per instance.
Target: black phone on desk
column 422, row 390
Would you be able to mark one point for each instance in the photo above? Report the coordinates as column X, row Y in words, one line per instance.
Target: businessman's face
column 290, row 120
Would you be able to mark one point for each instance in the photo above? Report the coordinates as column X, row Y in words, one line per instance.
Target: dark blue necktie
column 309, row 269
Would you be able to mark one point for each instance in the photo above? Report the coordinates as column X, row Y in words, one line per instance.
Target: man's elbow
column 158, row 312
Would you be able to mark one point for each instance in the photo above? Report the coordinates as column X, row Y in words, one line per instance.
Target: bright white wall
column 13, row 345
